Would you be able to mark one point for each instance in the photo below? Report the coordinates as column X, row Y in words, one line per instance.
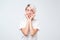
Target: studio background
column 12, row 12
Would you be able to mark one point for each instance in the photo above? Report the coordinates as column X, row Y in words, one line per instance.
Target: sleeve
column 36, row 24
column 21, row 36
column 21, row 25
column 38, row 35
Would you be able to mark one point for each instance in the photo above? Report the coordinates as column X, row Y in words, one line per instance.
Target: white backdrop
column 12, row 12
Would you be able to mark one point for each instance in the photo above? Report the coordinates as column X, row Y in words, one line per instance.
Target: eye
column 31, row 10
column 27, row 9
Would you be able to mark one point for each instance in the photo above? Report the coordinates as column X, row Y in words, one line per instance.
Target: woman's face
column 29, row 11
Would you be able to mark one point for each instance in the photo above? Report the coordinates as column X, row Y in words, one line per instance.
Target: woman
column 29, row 28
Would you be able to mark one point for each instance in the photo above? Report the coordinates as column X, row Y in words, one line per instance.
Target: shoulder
column 36, row 24
column 22, row 23
column 36, row 21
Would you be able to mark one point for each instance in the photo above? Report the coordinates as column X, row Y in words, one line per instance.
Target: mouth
column 29, row 16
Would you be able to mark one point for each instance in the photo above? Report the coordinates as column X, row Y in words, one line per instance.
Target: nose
column 29, row 11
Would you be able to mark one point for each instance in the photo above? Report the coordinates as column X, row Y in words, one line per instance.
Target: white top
column 35, row 24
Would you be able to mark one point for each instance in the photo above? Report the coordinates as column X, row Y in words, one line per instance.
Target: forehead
column 30, row 8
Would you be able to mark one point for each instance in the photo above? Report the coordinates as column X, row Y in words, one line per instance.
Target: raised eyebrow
column 31, row 9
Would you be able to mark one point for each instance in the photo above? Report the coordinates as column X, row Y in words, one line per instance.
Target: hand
column 27, row 16
column 32, row 16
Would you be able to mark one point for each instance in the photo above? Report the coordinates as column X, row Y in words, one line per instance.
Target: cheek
column 29, row 13
column 32, row 13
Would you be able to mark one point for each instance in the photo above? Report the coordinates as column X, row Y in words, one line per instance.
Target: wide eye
column 27, row 9
column 31, row 10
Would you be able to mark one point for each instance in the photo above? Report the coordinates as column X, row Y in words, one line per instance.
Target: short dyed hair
column 27, row 6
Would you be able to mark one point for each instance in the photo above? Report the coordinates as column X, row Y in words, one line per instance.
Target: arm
column 25, row 30
column 32, row 30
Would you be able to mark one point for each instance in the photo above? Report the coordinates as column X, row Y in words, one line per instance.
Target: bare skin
column 29, row 28
column 32, row 30
column 26, row 29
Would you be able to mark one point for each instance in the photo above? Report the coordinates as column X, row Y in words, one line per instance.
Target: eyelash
column 28, row 10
